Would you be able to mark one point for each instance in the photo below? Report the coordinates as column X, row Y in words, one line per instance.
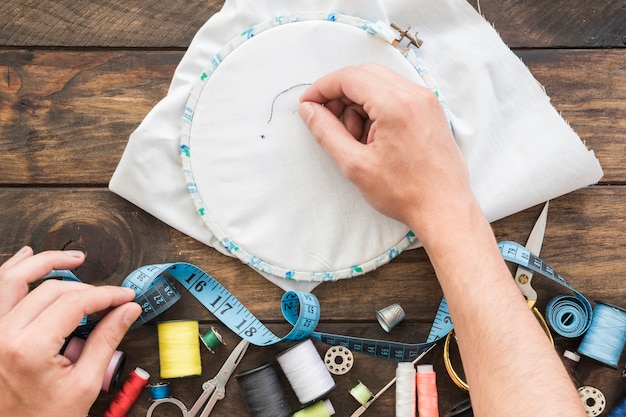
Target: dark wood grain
column 154, row 24
column 58, row 109
column 76, row 78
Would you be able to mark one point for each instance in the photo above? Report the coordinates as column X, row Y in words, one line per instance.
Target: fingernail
column 74, row 253
column 306, row 111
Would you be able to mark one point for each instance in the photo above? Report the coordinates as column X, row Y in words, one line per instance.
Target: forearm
column 511, row 367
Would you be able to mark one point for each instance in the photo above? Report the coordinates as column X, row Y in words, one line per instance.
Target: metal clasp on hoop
column 404, row 34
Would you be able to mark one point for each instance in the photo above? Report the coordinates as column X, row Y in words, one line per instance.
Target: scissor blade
column 524, row 276
column 233, row 360
column 535, row 239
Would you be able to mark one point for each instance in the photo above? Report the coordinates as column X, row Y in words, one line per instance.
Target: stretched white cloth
column 264, row 192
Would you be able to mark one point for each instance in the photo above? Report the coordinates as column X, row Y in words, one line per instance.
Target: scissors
column 213, row 390
column 523, row 276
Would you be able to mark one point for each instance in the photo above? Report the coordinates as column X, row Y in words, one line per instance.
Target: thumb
column 106, row 337
column 331, row 134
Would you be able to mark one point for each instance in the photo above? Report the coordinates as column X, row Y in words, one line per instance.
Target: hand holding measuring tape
column 34, row 377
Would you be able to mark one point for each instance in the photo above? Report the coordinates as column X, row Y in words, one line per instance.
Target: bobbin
column 593, row 400
column 338, row 360
column 361, row 393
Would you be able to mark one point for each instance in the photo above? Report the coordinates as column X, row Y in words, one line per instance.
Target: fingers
column 24, row 268
column 41, row 298
column 66, row 312
column 20, row 255
column 332, row 135
column 105, row 338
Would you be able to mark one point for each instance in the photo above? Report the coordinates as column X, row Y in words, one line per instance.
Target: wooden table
column 78, row 77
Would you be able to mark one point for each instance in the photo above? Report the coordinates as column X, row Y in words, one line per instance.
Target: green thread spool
column 212, row 339
column 361, row 393
column 323, row 408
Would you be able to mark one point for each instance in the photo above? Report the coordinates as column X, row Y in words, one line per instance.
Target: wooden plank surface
column 76, row 78
column 155, row 24
column 52, row 98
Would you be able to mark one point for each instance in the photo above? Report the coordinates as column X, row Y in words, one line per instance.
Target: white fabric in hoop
column 519, row 151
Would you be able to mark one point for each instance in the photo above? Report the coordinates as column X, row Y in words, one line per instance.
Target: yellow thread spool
column 179, row 349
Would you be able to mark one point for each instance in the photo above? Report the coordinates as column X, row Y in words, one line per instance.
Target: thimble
column 389, row 316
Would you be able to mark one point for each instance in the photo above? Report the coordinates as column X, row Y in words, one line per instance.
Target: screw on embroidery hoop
column 404, row 33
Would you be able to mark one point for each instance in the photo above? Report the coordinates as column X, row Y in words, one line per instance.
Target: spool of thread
column 128, row 394
column 262, row 392
column 323, row 408
column 619, row 410
column 405, row 390
column 179, row 349
column 361, row 393
column 212, row 339
column 604, row 341
column 306, row 372
column 160, row 391
column 426, row 385
column 570, row 361
column 73, row 349
column 567, row 316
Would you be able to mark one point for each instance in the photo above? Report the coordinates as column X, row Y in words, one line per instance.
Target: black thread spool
column 263, row 392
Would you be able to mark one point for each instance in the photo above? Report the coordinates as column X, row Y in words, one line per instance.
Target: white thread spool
column 306, row 372
column 405, row 390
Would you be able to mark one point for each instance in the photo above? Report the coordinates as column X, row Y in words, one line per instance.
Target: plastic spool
column 405, row 390
column 179, row 349
column 128, row 394
column 605, row 339
column 75, row 346
column 262, row 392
column 593, row 400
column 159, row 391
column 338, row 360
column 212, row 339
column 306, row 372
column 426, row 384
column 361, row 393
column 322, row 408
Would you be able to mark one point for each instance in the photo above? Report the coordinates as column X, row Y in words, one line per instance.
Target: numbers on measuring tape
column 156, row 293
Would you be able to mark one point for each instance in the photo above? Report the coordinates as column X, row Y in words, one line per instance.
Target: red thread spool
column 128, row 394
column 426, row 385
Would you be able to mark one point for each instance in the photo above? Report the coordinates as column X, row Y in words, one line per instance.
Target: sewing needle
column 364, row 407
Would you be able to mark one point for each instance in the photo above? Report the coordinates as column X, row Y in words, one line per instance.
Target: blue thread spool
column 567, row 316
column 160, row 391
column 605, row 339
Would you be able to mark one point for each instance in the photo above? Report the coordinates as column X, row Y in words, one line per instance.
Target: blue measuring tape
column 156, row 293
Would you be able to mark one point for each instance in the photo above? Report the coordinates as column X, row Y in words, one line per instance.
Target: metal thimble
column 389, row 316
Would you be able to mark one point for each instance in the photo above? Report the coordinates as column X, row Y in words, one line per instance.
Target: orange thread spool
column 426, row 386
column 128, row 394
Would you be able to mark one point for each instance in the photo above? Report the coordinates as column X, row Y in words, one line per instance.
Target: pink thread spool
column 75, row 346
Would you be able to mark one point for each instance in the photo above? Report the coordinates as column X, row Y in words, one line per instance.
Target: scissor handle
column 175, row 401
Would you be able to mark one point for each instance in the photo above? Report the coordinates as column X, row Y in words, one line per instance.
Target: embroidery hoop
column 194, row 183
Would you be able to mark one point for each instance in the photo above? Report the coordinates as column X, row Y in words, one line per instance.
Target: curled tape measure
column 156, row 293
column 516, row 253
